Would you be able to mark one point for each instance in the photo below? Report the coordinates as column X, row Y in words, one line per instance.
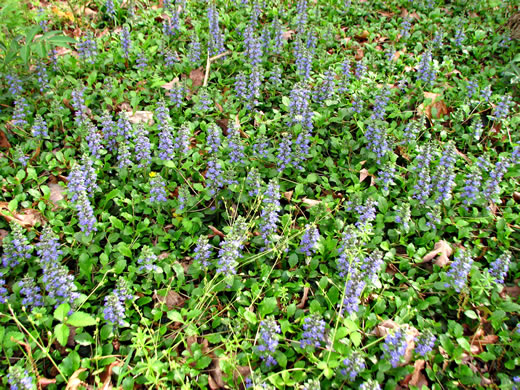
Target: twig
column 208, row 65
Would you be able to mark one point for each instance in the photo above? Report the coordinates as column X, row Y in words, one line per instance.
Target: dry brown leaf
column 171, row 84
column 141, row 117
column 418, row 379
column 288, row 34
column 241, row 372
column 4, row 143
column 311, row 202
column 106, row 376
column 288, row 195
column 301, row 305
column 438, row 106
column 26, row 218
column 3, row 234
column 363, row 35
column 171, row 300
column 516, row 196
column 443, row 250
column 216, row 374
column 217, row 232
column 197, row 77
column 56, row 194
column 74, row 382
column 511, row 291
column 363, row 174
column 411, row 335
column 44, row 382
column 384, row 328
column 359, row 54
column 386, row 14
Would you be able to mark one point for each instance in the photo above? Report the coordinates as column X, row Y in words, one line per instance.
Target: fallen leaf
column 3, row 234
column 516, row 196
column 216, row 374
column 363, row 36
column 171, row 300
column 43, row 382
column 384, row 328
column 288, row 195
column 26, row 218
column 106, row 376
column 443, row 250
column 363, row 174
column 359, row 54
column 74, row 382
column 241, row 372
column 301, row 305
column 386, row 14
column 288, row 34
column 511, row 291
column 311, row 202
column 411, row 335
column 171, row 84
column 56, row 194
column 4, row 143
column 217, row 232
column 418, row 378
column 141, row 117
column 197, row 77
column 438, row 106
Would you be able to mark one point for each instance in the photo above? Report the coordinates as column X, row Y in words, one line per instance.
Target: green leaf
column 80, row 320
column 32, row 33
column 355, row 337
column 175, row 316
column 62, row 331
column 25, row 52
column 471, row 314
column 61, row 312
column 250, row 317
column 124, row 249
column 61, row 40
column 267, row 306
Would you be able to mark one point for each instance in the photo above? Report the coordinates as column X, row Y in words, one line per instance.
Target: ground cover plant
column 259, row 194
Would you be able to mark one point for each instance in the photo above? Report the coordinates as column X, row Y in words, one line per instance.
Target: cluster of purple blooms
column 423, row 187
column 313, row 332
column 20, row 379
column 126, row 43
column 203, row 252
column 30, row 293
column 271, row 208
column 230, row 249
column 216, row 38
column 377, row 141
column 21, row 108
column 114, row 310
column 459, row 270
column 395, row 346
column 16, row 247
column 81, row 185
column 253, row 182
column 310, row 238
column 94, row 139
column 194, row 50
column 353, row 365
column 268, row 341
column 87, row 48
column 158, row 192
column 499, row 268
column 425, row 342
column 445, row 175
column 58, row 282
column 147, row 261
column 235, row 145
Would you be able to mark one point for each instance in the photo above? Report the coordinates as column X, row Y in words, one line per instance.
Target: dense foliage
column 261, row 194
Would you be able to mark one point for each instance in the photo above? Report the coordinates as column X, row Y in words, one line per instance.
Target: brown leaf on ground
column 441, row 249
column 288, row 195
column 416, row 378
column 288, row 34
column 171, row 84
column 363, row 174
column 217, row 232
column 359, row 54
column 301, row 305
column 44, row 382
column 411, row 335
column 197, row 77
column 171, row 300
column 56, row 194
column 74, row 382
column 437, row 108
column 384, row 328
column 106, row 376
column 145, row 117
column 3, row 234
column 241, row 372
column 363, row 36
column 516, row 196
column 511, row 291
column 386, row 13
column 4, row 143
column 26, row 218
column 310, row 202
column 216, row 375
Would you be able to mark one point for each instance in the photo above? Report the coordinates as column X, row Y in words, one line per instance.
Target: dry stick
column 208, row 65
